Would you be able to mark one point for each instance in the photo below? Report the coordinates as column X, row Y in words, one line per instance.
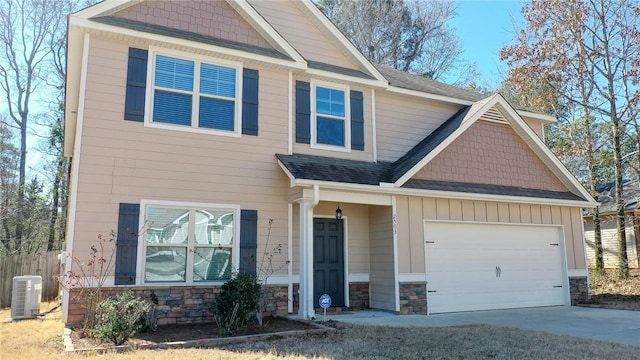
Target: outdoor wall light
column 338, row 213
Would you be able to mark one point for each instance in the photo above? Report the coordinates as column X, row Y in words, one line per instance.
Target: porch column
column 306, row 310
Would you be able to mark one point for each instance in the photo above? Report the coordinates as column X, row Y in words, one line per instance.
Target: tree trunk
column 623, row 266
column 593, row 188
column 21, row 182
column 55, row 193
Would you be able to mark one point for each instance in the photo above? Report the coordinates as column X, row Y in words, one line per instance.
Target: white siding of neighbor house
column 412, row 212
column 609, row 235
column 124, row 161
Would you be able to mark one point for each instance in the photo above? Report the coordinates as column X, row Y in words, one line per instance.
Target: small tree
column 86, row 283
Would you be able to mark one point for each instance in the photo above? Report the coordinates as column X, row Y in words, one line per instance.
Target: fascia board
column 538, row 116
column 446, row 194
column 426, row 95
column 181, row 42
column 549, row 158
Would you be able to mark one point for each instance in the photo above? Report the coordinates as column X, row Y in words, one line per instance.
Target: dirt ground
column 610, row 291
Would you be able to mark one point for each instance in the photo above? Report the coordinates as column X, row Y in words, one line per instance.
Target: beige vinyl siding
column 356, row 228
column 381, row 278
column 124, row 161
column 536, row 126
column 609, row 235
column 403, row 121
column 411, row 219
column 292, row 24
column 366, row 155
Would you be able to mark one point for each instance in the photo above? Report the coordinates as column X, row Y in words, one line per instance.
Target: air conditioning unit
column 25, row 296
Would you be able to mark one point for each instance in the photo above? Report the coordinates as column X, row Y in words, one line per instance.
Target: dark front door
column 328, row 260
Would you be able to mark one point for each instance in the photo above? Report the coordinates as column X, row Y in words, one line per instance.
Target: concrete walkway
column 618, row 326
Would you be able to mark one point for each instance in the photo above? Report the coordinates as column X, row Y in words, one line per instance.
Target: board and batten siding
column 609, row 234
column 403, row 121
column 381, row 278
column 124, row 161
column 356, row 228
column 299, row 30
column 412, row 212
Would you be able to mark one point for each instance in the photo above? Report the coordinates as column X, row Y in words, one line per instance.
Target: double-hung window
column 195, row 94
column 189, row 243
column 330, row 115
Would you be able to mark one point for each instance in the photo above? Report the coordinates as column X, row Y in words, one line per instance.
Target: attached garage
column 481, row 266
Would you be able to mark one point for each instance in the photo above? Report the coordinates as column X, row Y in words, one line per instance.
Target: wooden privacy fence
column 46, row 265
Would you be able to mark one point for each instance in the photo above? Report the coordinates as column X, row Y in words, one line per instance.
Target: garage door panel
column 475, row 266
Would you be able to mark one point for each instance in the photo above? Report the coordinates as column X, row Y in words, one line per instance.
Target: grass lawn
column 41, row 338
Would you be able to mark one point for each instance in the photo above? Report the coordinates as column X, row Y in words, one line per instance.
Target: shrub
column 236, row 303
column 120, row 316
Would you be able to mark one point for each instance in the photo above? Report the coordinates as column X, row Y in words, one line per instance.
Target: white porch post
column 306, row 310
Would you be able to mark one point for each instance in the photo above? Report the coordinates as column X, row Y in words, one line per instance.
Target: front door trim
column 345, row 237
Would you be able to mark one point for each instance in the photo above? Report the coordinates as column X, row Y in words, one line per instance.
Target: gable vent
column 494, row 115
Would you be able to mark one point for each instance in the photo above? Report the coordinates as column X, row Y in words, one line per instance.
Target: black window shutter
column 136, row 85
column 248, row 241
column 250, row 102
column 303, row 112
column 357, row 121
column 127, row 244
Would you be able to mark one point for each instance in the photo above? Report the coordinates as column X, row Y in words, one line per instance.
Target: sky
column 484, row 27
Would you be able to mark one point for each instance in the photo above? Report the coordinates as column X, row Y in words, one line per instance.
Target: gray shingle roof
column 489, row 189
column 419, row 83
column 310, row 167
column 338, row 69
column 630, row 195
column 331, row 169
column 166, row 31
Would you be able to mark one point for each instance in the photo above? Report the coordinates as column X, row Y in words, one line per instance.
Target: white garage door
column 477, row 266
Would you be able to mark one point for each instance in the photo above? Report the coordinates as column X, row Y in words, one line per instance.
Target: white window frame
column 197, row 59
column 347, row 116
column 142, row 241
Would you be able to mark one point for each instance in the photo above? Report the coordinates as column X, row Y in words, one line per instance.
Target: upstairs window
column 330, row 119
column 195, row 94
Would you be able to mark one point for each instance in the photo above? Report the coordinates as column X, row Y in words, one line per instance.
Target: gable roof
column 399, row 173
column 423, row 84
column 185, row 35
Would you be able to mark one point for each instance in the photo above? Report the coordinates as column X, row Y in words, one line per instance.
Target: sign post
column 325, row 303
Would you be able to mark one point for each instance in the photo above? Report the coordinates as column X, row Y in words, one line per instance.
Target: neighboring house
column 609, row 226
column 191, row 124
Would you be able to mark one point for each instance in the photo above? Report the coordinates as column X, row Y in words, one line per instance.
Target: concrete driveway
column 618, row 326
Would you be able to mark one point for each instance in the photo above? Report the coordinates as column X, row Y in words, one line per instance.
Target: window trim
column 314, row 117
column 197, row 59
column 142, row 241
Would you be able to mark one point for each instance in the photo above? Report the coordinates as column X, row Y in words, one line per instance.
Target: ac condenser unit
column 25, row 296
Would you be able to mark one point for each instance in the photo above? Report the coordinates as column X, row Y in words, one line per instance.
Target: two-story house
column 192, row 124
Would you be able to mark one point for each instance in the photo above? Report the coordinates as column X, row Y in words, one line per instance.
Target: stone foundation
column 413, row 298
column 579, row 289
column 179, row 304
column 359, row 295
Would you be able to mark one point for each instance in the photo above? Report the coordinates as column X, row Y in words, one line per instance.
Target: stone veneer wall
column 180, row 304
column 359, row 295
column 579, row 289
column 413, row 298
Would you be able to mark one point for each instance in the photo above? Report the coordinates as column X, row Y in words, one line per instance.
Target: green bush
column 120, row 316
column 236, row 303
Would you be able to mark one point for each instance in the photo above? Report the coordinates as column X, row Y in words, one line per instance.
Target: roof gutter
column 442, row 194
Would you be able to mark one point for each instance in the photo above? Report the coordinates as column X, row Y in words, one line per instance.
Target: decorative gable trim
column 478, row 110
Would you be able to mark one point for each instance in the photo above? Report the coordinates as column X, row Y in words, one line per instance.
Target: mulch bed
column 186, row 332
